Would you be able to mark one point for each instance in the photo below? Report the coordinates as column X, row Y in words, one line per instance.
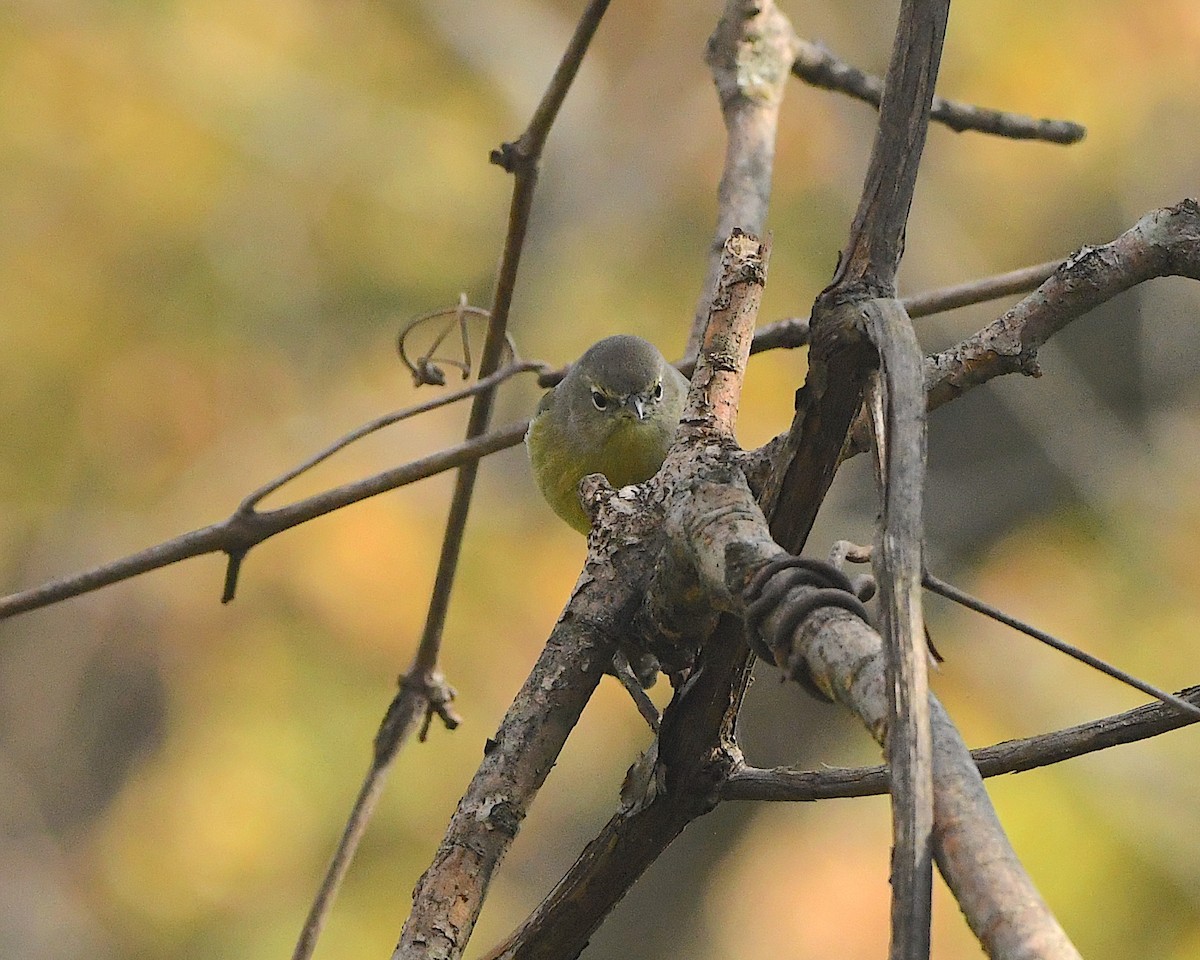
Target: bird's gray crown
column 623, row 364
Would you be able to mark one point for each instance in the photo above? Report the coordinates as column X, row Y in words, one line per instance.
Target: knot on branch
column 783, row 594
column 513, row 157
column 420, row 692
column 751, row 52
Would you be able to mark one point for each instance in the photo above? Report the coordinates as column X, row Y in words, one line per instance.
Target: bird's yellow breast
column 632, row 451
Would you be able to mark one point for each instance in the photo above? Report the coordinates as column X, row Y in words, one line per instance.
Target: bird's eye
column 658, row 390
column 599, row 399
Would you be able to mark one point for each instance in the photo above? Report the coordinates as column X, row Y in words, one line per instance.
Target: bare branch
column 794, row 332
column 749, row 54
column 450, row 894
column 1163, row 243
column 872, row 254
column 639, row 832
column 724, row 535
column 816, row 65
column 695, row 747
column 900, row 457
column 866, row 273
column 1010, row 756
column 845, row 659
column 411, row 706
column 240, row 532
column 978, row 291
column 487, row 383
column 951, row 592
column 716, row 389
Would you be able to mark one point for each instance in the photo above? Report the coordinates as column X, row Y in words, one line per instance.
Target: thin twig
column 1009, row 756
column 951, row 592
column 979, row 291
column 240, row 532
column 794, row 332
column 521, row 159
column 623, row 671
column 487, row 383
column 413, row 705
column 816, row 65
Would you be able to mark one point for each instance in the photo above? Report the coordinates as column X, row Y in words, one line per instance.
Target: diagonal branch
column 449, row 896
column 1011, row 756
column 253, row 499
column 421, row 689
column 241, row 531
column 694, row 750
column 845, row 659
column 951, row 592
column 1163, row 243
column 816, row 65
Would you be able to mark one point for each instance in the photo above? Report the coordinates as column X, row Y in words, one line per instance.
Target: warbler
column 615, row 413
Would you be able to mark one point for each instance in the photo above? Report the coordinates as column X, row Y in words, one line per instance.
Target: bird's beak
column 639, row 407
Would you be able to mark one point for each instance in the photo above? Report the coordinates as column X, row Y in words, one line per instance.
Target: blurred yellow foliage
column 216, row 216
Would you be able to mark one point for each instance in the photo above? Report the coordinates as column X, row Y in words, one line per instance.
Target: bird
column 614, row 413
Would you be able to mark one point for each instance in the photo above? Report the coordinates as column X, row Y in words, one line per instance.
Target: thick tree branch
column 679, row 779
column 859, row 303
column 677, row 782
column 449, row 896
column 900, row 458
column 845, row 659
column 749, row 54
column 1163, row 243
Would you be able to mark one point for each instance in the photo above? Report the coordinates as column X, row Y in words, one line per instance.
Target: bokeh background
column 215, row 217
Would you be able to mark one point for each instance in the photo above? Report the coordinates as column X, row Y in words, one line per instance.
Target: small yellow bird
column 615, row 413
